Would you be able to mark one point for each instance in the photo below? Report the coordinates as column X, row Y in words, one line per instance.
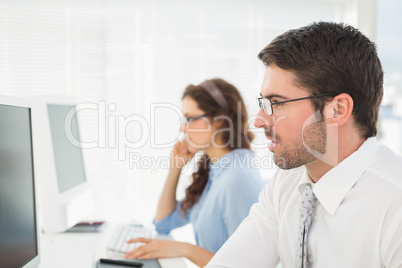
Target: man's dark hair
column 332, row 57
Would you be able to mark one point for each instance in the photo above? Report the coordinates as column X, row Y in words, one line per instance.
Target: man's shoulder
column 387, row 168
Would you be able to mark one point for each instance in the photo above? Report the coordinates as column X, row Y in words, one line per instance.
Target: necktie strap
column 307, row 211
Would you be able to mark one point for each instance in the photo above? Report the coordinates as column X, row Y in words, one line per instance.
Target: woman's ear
column 339, row 110
column 219, row 120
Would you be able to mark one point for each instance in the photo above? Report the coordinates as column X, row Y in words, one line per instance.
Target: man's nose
column 262, row 120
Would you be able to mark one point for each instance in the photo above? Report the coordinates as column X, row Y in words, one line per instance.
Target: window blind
column 133, row 59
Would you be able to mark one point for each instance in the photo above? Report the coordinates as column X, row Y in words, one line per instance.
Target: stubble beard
column 296, row 154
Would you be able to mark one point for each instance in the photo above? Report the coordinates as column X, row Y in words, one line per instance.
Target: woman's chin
column 195, row 149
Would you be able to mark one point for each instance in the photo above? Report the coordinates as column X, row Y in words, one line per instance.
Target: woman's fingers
column 138, row 252
column 139, row 239
column 155, row 248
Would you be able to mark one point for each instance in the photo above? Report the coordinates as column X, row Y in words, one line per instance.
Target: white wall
column 125, row 55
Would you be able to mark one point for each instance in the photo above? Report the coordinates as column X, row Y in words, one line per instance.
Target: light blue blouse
column 233, row 186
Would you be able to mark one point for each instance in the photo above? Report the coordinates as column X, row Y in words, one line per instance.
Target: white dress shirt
column 358, row 221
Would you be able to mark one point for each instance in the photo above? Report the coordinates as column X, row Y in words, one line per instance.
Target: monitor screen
column 18, row 232
column 67, row 156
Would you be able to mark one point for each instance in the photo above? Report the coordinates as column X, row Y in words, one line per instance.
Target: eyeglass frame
column 188, row 120
column 261, row 106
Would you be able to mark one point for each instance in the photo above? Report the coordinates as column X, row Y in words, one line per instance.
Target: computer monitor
column 65, row 197
column 19, row 246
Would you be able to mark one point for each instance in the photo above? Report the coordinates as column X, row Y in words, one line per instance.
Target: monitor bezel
column 49, row 188
column 23, row 103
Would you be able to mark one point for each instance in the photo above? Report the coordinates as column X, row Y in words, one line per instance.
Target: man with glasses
column 336, row 200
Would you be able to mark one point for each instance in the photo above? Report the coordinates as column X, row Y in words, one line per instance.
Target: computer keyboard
column 123, row 233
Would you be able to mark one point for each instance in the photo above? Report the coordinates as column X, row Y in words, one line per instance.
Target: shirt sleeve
column 391, row 244
column 254, row 243
column 174, row 220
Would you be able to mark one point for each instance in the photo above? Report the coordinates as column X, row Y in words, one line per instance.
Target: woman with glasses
column 225, row 184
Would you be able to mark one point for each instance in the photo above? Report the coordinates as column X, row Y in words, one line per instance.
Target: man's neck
column 345, row 147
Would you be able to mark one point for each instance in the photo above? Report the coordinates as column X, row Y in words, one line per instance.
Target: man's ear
column 339, row 110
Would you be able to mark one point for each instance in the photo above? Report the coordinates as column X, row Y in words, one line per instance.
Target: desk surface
column 82, row 250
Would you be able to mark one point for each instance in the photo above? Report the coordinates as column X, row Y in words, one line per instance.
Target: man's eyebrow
column 275, row 96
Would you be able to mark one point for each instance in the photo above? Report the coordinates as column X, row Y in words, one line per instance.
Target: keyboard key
column 126, row 232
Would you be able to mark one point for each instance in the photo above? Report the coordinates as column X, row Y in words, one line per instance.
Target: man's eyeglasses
column 189, row 120
column 266, row 104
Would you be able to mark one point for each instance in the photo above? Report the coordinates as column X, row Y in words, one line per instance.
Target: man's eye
column 277, row 103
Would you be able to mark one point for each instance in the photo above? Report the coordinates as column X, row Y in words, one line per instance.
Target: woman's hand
column 156, row 248
column 180, row 154
column 160, row 248
column 167, row 201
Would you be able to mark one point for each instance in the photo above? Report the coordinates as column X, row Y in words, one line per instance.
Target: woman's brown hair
column 239, row 135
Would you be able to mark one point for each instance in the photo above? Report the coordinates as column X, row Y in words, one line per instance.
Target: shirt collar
column 332, row 188
column 305, row 179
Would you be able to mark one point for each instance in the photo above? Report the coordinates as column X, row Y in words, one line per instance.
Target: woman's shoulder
column 240, row 182
column 242, row 169
column 236, row 167
column 243, row 161
column 240, row 158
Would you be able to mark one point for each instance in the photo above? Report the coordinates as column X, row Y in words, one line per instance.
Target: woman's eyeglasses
column 189, row 120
